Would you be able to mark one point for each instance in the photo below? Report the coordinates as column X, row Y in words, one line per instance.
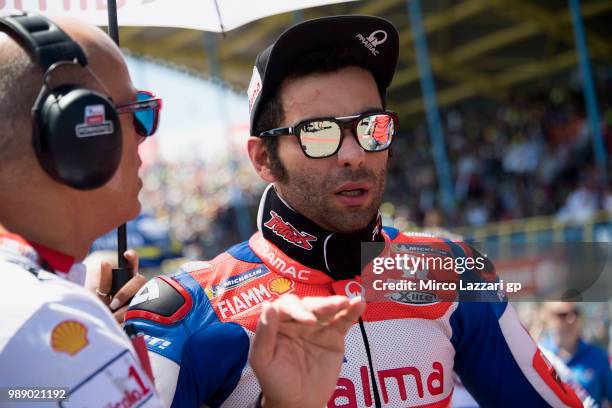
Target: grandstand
column 480, row 50
column 512, row 114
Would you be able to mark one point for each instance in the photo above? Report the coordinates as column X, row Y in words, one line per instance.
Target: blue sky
column 200, row 118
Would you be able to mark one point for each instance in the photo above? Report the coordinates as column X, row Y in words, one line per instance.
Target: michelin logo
column 373, row 40
column 235, row 281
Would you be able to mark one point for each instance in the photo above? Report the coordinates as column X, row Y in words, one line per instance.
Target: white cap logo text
column 254, row 88
column 376, row 38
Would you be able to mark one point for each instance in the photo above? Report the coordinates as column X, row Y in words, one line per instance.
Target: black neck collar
column 336, row 254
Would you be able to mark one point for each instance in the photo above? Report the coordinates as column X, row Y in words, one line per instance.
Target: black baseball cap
column 373, row 39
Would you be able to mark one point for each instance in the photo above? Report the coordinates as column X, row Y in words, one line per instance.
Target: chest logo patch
column 280, row 285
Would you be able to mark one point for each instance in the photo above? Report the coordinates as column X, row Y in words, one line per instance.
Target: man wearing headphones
column 70, row 126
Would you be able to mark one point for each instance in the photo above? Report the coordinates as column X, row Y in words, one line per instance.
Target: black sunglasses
column 146, row 112
column 322, row 137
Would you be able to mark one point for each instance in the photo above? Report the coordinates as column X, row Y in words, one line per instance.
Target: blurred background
column 505, row 133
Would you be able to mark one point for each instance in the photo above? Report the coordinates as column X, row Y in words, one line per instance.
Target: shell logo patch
column 69, row 337
column 209, row 293
column 280, row 285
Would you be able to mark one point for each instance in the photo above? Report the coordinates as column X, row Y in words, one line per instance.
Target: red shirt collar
column 56, row 260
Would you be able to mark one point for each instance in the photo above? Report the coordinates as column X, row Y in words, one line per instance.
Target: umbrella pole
column 113, row 27
column 122, row 274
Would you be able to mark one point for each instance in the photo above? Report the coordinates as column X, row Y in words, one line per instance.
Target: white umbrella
column 207, row 15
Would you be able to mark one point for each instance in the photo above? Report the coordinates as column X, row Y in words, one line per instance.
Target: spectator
column 588, row 364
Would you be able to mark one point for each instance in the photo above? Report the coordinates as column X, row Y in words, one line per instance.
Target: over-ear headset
column 76, row 131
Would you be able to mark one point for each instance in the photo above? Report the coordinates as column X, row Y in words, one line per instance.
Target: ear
column 260, row 159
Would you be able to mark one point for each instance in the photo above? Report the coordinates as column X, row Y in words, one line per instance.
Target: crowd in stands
column 531, row 157
column 208, row 206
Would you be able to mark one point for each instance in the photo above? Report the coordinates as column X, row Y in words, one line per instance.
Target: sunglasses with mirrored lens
column 322, row 137
column 145, row 111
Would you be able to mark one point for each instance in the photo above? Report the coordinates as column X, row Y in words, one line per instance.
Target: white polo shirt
column 53, row 333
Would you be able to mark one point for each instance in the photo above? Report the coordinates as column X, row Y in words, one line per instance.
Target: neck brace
column 338, row 255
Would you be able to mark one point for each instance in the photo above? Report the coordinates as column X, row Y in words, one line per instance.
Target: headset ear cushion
column 78, row 137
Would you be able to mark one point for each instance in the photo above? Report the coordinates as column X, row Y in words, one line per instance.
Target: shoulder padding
column 244, row 253
column 162, row 300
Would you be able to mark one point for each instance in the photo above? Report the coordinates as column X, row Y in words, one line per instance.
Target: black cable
column 372, row 373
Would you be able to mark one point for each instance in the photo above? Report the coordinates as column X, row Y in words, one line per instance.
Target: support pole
column 122, row 274
column 588, row 87
column 428, row 90
column 243, row 220
column 113, row 26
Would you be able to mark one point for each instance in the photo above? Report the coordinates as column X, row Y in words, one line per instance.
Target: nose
column 140, row 139
column 350, row 153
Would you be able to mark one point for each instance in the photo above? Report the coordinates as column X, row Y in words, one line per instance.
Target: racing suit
column 53, row 333
column 201, row 320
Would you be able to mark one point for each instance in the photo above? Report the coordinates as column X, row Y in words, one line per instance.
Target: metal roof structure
column 478, row 49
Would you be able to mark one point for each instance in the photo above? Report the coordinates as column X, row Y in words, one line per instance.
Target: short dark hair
column 272, row 111
column 20, row 82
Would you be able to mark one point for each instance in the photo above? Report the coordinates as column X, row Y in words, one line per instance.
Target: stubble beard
column 311, row 195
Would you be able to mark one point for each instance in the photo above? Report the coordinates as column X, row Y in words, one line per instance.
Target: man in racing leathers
column 311, row 95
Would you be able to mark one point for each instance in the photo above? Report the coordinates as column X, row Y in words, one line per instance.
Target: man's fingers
column 132, row 258
column 128, row 291
column 290, row 307
column 264, row 342
column 120, row 314
column 325, row 308
column 106, row 280
column 347, row 317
